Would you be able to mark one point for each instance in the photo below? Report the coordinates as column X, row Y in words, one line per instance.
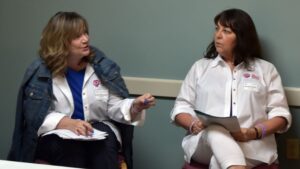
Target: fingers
column 242, row 135
column 197, row 127
column 79, row 127
column 145, row 101
column 89, row 128
column 83, row 128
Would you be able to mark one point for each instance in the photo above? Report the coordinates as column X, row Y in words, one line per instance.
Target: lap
column 77, row 153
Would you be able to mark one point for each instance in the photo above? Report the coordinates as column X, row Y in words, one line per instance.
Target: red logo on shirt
column 246, row 75
column 96, row 83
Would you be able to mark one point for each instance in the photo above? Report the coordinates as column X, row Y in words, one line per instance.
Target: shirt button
column 233, row 90
column 83, row 93
column 234, row 103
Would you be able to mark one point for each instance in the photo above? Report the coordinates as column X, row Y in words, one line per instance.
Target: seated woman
column 73, row 86
column 232, row 80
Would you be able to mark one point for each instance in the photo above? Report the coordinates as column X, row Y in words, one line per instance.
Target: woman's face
column 225, row 40
column 79, row 47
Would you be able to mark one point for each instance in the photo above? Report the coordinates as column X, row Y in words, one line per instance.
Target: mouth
column 218, row 44
column 86, row 48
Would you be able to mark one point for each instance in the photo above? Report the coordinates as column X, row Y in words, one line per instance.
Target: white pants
column 217, row 148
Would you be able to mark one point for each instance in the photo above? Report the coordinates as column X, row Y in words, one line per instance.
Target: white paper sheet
column 68, row 134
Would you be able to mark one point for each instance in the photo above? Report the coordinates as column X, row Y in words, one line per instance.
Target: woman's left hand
column 142, row 102
column 244, row 135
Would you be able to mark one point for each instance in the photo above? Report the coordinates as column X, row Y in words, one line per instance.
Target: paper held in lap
column 230, row 123
column 68, row 134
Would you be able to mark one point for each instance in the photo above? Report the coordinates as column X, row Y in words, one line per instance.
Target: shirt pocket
column 33, row 93
column 253, row 87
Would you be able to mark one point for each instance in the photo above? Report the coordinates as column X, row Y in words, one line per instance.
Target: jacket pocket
column 35, row 103
column 34, row 93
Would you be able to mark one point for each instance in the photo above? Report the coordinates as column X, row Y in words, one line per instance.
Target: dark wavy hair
column 247, row 43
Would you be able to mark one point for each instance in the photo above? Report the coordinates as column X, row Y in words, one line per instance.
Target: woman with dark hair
column 232, row 80
column 74, row 87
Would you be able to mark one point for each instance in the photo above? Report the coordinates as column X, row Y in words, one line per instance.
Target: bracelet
column 263, row 130
column 256, row 133
column 191, row 125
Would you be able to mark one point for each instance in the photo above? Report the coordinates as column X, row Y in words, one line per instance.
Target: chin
column 85, row 53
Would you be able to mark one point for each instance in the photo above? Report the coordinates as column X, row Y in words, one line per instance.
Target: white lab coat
column 99, row 104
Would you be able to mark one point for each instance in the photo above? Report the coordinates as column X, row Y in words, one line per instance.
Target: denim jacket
column 34, row 100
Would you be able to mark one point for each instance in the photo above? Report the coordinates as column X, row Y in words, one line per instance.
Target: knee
column 216, row 131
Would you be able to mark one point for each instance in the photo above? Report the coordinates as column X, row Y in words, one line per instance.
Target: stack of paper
column 230, row 123
column 68, row 134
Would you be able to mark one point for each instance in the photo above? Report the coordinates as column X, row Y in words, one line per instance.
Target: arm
column 260, row 130
column 129, row 111
column 271, row 126
column 56, row 120
column 183, row 113
column 191, row 124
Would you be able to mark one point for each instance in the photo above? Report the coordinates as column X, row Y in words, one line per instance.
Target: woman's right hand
column 77, row 126
column 196, row 126
column 192, row 124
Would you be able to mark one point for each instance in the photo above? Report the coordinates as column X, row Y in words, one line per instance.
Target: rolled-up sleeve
column 186, row 98
column 119, row 110
column 277, row 102
column 50, row 122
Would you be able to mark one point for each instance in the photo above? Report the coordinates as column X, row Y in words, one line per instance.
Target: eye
column 217, row 28
column 227, row 30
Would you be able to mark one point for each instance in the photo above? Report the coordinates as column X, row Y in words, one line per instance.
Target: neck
column 230, row 61
column 77, row 65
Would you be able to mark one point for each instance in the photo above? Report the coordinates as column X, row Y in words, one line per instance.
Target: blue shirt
column 75, row 81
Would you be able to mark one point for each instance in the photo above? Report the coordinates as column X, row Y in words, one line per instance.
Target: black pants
column 102, row 154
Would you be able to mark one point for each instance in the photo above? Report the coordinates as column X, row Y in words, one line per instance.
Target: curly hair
column 248, row 46
column 56, row 37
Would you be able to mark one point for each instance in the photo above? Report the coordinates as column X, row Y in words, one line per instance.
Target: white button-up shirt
column 253, row 95
column 99, row 104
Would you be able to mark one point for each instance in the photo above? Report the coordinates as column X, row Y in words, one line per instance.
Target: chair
column 195, row 165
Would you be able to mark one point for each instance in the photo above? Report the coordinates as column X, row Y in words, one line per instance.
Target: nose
column 84, row 38
column 218, row 34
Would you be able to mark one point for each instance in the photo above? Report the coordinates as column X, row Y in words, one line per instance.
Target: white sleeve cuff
column 181, row 109
column 282, row 113
column 125, row 109
column 50, row 122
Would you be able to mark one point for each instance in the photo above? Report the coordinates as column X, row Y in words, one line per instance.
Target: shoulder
column 100, row 58
column 104, row 66
column 37, row 68
column 204, row 61
column 203, row 64
column 266, row 66
column 33, row 67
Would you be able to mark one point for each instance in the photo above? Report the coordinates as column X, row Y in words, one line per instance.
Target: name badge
column 250, row 86
column 101, row 94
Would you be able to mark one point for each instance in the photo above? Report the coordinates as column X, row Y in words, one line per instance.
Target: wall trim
column 170, row 88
